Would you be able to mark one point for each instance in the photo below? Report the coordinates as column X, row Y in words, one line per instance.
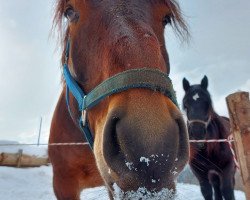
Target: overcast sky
column 29, row 63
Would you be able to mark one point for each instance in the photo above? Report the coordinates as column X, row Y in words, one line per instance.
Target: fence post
column 39, row 133
column 19, row 157
column 239, row 112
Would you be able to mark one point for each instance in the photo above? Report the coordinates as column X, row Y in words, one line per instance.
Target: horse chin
column 131, row 185
column 142, row 193
column 125, row 188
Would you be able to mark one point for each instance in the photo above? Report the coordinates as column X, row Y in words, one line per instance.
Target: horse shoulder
column 77, row 161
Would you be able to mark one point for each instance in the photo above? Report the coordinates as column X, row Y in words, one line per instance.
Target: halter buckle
column 84, row 117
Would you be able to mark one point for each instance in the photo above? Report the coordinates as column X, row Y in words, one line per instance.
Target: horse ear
column 204, row 82
column 186, row 84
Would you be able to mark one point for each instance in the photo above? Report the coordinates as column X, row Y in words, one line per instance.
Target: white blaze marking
column 196, row 96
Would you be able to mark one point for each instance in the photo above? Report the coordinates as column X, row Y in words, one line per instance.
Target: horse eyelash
column 167, row 20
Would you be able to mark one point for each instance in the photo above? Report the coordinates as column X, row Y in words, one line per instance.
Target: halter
column 205, row 123
column 135, row 78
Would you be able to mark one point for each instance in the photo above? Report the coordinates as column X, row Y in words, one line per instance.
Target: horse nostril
column 111, row 146
column 111, row 136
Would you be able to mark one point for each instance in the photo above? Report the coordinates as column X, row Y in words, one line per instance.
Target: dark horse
column 139, row 135
column 212, row 163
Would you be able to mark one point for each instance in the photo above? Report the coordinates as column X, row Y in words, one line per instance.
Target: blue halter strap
column 135, row 78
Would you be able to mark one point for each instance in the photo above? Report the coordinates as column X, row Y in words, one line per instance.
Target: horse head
column 198, row 106
column 140, row 139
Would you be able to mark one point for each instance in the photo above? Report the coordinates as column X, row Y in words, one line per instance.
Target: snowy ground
column 36, row 184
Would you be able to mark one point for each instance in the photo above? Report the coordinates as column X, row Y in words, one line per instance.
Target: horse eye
column 71, row 15
column 166, row 20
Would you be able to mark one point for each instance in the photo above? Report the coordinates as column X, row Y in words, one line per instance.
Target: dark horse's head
column 139, row 135
column 198, row 106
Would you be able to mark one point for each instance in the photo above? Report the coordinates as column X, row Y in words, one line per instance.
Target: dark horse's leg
column 215, row 180
column 202, row 176
column 228, row 190
column 206, row 189
column 227, row 183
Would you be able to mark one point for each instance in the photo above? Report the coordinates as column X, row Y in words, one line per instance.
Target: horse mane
column 177, row 21
column 217, row 129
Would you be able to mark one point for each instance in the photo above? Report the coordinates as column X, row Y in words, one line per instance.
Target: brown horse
column 140, row 139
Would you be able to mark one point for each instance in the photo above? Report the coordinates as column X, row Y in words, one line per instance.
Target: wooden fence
column 22, row 160
column 239, row 112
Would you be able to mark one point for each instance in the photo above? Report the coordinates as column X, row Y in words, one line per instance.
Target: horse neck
column 217, row 129
column 219, row 125
column 213, row 129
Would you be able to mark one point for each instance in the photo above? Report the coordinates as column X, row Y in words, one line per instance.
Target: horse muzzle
column 141, row 146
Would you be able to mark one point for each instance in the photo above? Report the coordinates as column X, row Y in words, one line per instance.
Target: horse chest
column 204, row 161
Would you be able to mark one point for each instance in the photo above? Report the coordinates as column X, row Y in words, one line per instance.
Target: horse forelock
column 197, row 89
column 177, row 21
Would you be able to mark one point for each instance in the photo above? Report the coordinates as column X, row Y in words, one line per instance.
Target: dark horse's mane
column 217, row 128
column 177, row 21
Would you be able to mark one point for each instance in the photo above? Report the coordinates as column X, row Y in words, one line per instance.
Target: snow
column 129, row 165
column 146, row 160
column 36, row 183
column 143, row 193
column 26, row 184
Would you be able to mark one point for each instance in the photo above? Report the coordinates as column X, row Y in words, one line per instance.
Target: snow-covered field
column 36, row 184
